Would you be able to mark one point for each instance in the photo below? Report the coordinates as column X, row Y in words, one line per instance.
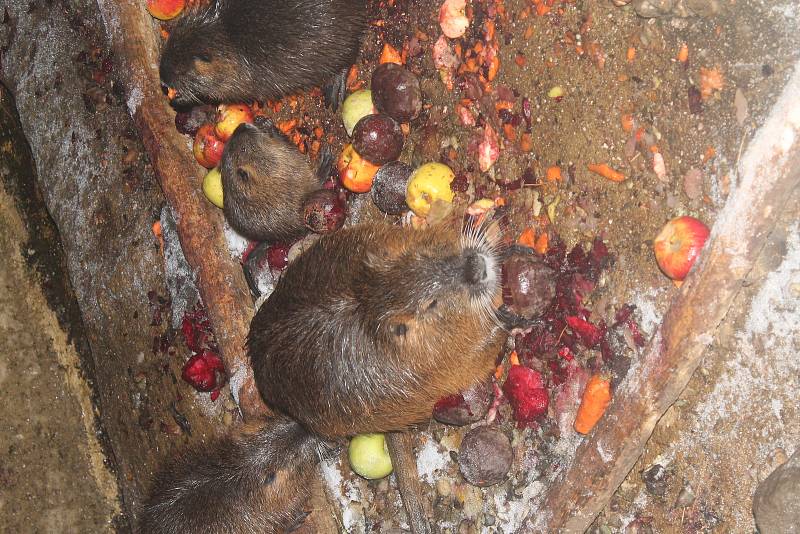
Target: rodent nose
column 475, row 269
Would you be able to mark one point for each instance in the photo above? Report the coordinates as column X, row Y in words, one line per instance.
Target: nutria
column 246, row 50
column 255, row 482
column 364, row 332
column 265, row 181
column 375, row 323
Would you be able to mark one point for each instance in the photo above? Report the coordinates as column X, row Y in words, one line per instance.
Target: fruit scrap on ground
column 453, row 19
column 526, row 393
column 606, row 172
column 204, row 370
column 710, row 80
column 594, row 402
column 678, row 245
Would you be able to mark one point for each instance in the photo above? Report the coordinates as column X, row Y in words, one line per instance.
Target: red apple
column 229, row 116
column 355, row 172
column 165, row 9
column 207, row 147
column 678, row 245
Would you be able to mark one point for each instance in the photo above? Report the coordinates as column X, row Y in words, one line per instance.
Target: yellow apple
column 212, row 187
column 369, row 456
column 429, row 183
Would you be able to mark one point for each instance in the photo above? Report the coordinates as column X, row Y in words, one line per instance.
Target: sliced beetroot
column 526, row 393
column 464, row 408
column 485, row 456
column 324, row 211
column 204, row 371
column 196, row 329
column 528, row 284
column 278, row 256
column 590, row 335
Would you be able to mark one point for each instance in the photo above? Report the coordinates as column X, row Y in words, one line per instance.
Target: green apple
column 355, row 107
column 369, row 456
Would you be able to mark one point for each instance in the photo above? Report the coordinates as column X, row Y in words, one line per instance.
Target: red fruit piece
column 526, row 393
column 590, row 335
column 196, row 330
column 324, row 211
column 678, row 245
column 204, row 371
column 278, row 256
column 464, row 408
column 207, row 147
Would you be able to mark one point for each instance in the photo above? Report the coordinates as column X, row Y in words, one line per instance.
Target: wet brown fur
column 256, row 481
column 246, row 50
column 325, row 347
column 265, row 181
column 364, row 332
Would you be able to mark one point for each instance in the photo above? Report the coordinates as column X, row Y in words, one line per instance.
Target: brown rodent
column 265, row 181
column 246, row 50
column 364, row 332
column 375, row 323
column 255, row 482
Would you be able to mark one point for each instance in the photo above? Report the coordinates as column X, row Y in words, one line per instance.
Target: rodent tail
column 254, row 481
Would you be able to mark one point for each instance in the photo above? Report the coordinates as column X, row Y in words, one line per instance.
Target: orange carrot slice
column 606, row 172
column 596, row 398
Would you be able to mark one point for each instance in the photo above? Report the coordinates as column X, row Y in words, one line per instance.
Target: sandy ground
column 52, row 471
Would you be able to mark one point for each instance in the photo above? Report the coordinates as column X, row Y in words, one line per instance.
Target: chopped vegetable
column 596, row 398
column 606, row 172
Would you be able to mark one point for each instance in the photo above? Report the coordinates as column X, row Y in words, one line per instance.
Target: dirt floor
column 586, row 82
column 738, row 418
column 52, row 467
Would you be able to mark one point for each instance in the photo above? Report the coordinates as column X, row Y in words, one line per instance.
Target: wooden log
column 401, row 449
column 220, row 279
column 768, row 173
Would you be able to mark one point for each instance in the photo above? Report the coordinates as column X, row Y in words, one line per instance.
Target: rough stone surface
column 776, row 504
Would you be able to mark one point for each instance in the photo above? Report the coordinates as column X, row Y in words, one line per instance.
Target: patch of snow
column 605, row 455
column 650, row 305
column 237, row 379
column 179, row 276
column 237, row 243
column 512, row 513
column 431, row 457
column 134, row 99
column 346, row 493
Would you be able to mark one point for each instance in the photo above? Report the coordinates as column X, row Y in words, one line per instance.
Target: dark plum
column 389, row 187
column 378, row 138
column 528, row 284
column 466, row 407
column 396, row 92
column 324, row 211
column 187, row 122
column 485, row 456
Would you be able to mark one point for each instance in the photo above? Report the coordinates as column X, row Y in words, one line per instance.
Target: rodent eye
column 431, row 305
column 203, row 57
column 399, row 329
column 242, row 174
column 269, row 478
